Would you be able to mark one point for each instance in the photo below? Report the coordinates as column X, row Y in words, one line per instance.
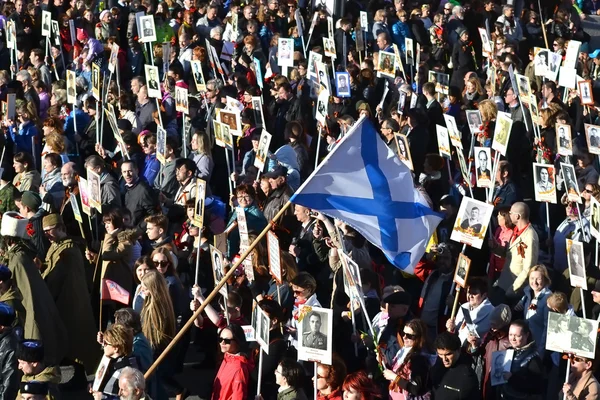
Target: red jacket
column 233, row 378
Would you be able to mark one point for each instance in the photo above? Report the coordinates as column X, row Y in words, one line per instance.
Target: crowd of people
column 103, row 260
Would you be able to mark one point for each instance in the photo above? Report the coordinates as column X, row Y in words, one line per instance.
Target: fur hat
column 30, row 351
column 14, row 225
column 7, row 314
column 34, row 387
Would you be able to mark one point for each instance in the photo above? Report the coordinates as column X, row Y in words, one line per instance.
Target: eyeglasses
column 107, row 344
column 410, row 336
column 579, row 359
column 246, row 197
column 226, row 340
column 161, row 263
column 586, row 190
column 554, row 44
column 473, row 294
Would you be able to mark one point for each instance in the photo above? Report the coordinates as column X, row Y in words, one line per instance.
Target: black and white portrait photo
column 263, row 150
column 501, row 362
column 443, row 141
column 554, row 61
column 263, row 329
column 315, row 333
column 544, row 182
column 147, row 30
column 71, row 91
column 571, row 334
column 199, row 208
column 322, row 103
column 96, row 81
column 585, row 92
column 181, row 100
column 595, row 217
column 46, row 23
column 474, row 120
column 563, row 139
column 541, row 63
column 387, row 64
column 329, row 47
column 198, row 75
column 342, row 84
column 570, row 182
column 462, row 270
column 592, row 135
column 472, row 222
column 483, row 167
column 524, row 88
column 404, row 150
column 152, row 81
column 55, row 33
column 576, row 261
column 285, row 52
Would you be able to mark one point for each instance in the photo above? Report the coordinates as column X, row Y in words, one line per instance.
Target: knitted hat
column 34, row 387
column 501, row 316
column 30, row 351
column 82, row 35
column 14, row 225
column 32, row 200
column 51, row 220
column 7, row 314
column 103, row 14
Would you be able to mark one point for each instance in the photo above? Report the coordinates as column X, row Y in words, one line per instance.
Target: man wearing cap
column 390, row 320
column 9, row 294
column 8, row 191
column 30, row 356
column 34, row 390
column 65, row 276
column 9, row 378
column 279, row 196
column 42, row 320
column 29, row 206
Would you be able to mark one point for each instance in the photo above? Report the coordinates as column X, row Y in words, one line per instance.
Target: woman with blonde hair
column 202, row 156
column 380, row 23
column 534, row 304
column 158, row 317
column 473, row 93
column 545, row 147
column 488, row 111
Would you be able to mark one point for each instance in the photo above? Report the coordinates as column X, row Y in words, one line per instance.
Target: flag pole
column 213, row 294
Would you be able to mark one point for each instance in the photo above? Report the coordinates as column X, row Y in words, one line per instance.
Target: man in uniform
column 483, row 172
column 314, row 339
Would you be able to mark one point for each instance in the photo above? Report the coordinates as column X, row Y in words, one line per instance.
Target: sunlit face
column 315, row 323
column 108, row 226
column 475, row 298
column 244, row 199
column 300, row 293
column 129, row 173
column 48, row 167
column 352, row 394
column 265, row 186
column 18, row 167
column 227, row 336
column 141, row 270
column 448, row 357
column 536, row 281
column 517, row 337
column 162, row 263
column 408, row 336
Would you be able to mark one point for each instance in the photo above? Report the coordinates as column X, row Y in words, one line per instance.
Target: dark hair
column 24, row 158
column 273, row 309
column 292, row 371
column 94, row 161
column 190, row 165
column 130, row 318
column 126, row 102
column 337, row 372
column 447, row 341
column 392, row 124
column 143, row 260
column 504, row 166
column 524, row 328
column 54, row 159
column 235, row 299
column 240, row 337
column 505, row 212
column 477, row 284
column 248, row 189
column 305, row 281
column 429, row 88
column 114, row 216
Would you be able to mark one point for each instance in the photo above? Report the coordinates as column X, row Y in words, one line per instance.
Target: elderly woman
column 303, row 288
column 27, row 177
column 52, row 190
column 245, row 197
column 534, row 304
column 106, row 27
column 479, row 310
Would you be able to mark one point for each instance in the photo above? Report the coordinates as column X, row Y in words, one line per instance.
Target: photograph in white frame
column 443, row 141
column 198, row 75
column 576, row 261
column 544, row 183
column 472, row 222
column 46, row 23
column 404, row 150
column 322, row 104
column 152, row 81
column 502, row 132
column 329, row 47
column 147, row 29
column 216, row 259
column 71, row 87
column 540, row 62
column 483, row 165
column 101, row 376
column 461, row 272
column 474, row 120
column 315, row 334
column 274, row 256
column 263, row 150
column 554, row 61
column 571, row 334
column 501, row 363
column 563, row 139
column 592, row 135
column 285, row 52
column 181, row 100
column 387, row 64
column 585, row 93
column 595, row 218
column 453, row 131
column 263, row 324
column 570, row 182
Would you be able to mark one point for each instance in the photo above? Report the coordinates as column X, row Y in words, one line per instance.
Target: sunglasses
column 579, row 359
column 161, row 263
column 226, row 340
column 410, row 336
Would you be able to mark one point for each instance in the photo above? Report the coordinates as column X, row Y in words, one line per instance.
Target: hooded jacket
column 233, row 378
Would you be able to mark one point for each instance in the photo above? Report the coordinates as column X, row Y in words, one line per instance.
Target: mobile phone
column 312, row 213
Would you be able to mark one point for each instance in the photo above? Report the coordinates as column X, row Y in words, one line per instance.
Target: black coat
column 9, row 376
column 141, row 201
column 435, row 116
column 458, row 382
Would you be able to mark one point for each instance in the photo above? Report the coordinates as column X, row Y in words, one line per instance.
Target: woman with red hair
column 358, row 386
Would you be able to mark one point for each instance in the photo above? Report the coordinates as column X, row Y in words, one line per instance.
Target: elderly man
column 521, row 254
column 65, row 277
column 132, row 385
column 30, row 93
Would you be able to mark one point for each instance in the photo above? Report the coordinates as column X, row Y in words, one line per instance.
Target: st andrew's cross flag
column 112, row 291
column 363, row 183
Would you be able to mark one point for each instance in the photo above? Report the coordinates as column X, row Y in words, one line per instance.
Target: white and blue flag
column 363, row 183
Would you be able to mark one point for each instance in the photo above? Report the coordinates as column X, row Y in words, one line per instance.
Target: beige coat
column 516, row 267
column 586, row 387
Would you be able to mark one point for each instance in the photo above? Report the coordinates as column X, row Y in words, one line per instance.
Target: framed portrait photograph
column 198, row 75
column 101, row 376
column 571, row 334
column 592, row 136
column 443, row 141
column 147, row 29
column 263, row 150
column 71, row 87
column 554, row 61
column 161, row 144
column 472, row 222
column 409, row 51
column 113, row 61
column 323, row 78
column 274, row 256
column 485, row 41
column 263, row 324
column 502, row 132
column 46, row 23
column 483, row 172
column 461, row 273
column 567, row 77
column 313, row 59
column 216, row 258
column 463, row 166
column 501, row 362
column 342, row 84
column 55, row 33
column 595, row 217
column 152, row 81
column 585, row 93
column 386, row 65
column 231, row 119
column 227, row 136
column 322, row 104
column 257, row 109
column 315, row 334
column 218, row 129
column 199, row 206
column 285, row 52
column 540, row 60
column 94, row 190
column 572, row 54
column 404, row 150
column 85, row 196
column 524, row 88
column 96, row 81
column 11, row 34
column 576, row 261
column 76, row 211
column 563, row 139
column 181, row 100
column 474, row 120
column 570, row 181
column 453, row 131
column 544, row 183
column 329, row 47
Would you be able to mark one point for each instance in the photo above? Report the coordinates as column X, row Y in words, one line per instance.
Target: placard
column 576, row 261
column 472, row 222
column 147, row 29
column 199, row 207
column 216, row 258
column 544, row 177
column 482, row 167
column 571, row 334
column 274, row 257
column 443, row 141
column 263, row 150
column 404, row 150
column 315, row 333
column 563, row 139
column 461, row 273
column 94, row 190
column 152, row 81
column 570, row 182
column 502, row 132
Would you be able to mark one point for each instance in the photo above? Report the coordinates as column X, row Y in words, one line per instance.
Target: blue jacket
column 151, row 168
column 83, row 119
column 538, row 320
column 256, row 222
column 22, row 135
column 401, row 31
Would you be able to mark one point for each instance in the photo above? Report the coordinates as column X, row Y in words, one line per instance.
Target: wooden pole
column 212, row 294
column 455, row 305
